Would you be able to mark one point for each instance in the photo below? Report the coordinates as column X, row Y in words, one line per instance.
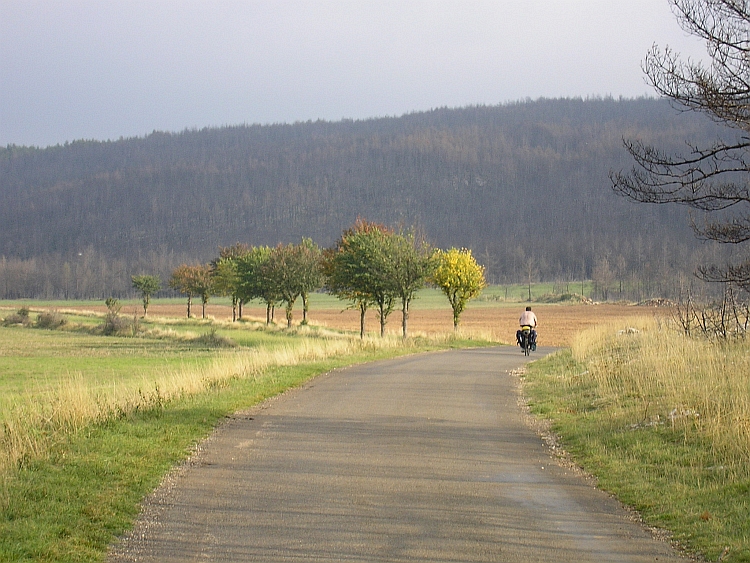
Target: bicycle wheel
column 526, row 343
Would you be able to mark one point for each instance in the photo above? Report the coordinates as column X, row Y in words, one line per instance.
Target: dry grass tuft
column 668, row 378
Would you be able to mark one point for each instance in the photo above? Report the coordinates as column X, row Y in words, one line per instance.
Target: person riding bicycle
column 528, row 319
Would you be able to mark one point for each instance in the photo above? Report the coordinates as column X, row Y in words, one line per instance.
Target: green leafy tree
column 459, row 277
column 294, row 271
column 409, row 266
column 226, row 281
column 376, row 248
column 193, row 281
column 278, row 272
column 203, row 285
column 311, row 276
column 147, row 285
column 225, row 274
column 355, row 270
column 336, row 265
column 252, row 282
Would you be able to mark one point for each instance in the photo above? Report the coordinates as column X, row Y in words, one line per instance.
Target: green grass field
column 33, row 359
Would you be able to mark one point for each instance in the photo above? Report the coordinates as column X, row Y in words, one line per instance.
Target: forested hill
column 511, row 182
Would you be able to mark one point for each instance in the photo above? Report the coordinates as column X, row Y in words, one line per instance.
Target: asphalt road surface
column 423, row 458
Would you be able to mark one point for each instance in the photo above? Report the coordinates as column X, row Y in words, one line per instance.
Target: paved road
column 424, row 458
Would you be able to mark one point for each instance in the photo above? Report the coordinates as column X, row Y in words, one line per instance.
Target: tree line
column 524, row 185
column 370, row 265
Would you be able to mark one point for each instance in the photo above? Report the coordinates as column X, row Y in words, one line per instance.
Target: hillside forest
column 524, row 185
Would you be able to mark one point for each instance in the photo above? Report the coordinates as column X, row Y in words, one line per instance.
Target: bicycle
column 526, row 344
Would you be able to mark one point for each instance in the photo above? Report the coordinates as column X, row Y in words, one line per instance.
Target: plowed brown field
column 557, row 323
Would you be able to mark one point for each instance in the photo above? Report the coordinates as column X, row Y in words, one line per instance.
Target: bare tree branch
column 712, row 179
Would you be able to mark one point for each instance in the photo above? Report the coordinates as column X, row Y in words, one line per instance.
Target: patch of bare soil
column 557, row 324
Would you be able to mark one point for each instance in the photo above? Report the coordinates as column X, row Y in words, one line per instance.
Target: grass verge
column 663, row 422
column 81, row 450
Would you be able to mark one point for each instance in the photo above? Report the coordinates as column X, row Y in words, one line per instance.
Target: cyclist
column 528, row 319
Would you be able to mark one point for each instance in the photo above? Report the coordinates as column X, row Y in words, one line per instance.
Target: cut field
column 558, row 324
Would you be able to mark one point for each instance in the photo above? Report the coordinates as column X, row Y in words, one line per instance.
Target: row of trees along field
column 524, row 185
column 370, row 266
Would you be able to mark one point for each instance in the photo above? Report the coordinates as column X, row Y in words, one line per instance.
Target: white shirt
column 528, row 318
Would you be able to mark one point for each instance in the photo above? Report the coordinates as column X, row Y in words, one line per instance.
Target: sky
column 94, row 69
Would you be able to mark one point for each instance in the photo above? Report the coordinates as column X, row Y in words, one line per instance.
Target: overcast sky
column 104, row 69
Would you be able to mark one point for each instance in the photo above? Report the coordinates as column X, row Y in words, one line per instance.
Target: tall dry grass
column 30, row 423
column 657, row 375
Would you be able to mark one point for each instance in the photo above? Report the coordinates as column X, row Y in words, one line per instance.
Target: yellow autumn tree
column 458, row 276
